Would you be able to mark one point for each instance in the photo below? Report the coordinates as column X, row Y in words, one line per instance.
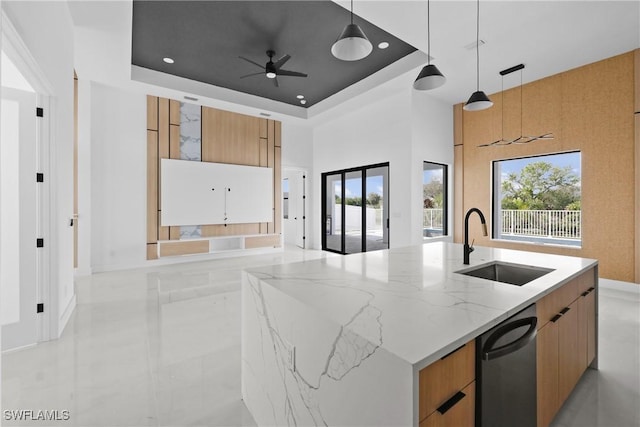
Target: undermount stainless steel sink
column 513, row 274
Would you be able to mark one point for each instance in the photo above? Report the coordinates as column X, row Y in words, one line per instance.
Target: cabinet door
column 462, row 413
column 569, row 354
column 590, row 305
column 547, row 373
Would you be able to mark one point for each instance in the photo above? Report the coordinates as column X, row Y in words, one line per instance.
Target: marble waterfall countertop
column 409, row 301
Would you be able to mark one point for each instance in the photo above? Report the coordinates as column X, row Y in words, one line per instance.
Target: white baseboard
column 66, row 315
column 618, row 285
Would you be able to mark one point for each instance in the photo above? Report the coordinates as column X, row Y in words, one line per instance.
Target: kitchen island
column 342, row 340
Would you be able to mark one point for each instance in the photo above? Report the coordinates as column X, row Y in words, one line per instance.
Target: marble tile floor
column 161, row 347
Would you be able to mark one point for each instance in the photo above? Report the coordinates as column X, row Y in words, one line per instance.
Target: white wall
column 375, row 133
column 118, row 153
column 47, row 31
column 432, row 141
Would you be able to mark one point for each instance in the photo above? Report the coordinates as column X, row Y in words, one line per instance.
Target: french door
column 355, row 209
column 18, row 219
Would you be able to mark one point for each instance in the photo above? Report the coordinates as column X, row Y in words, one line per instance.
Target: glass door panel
column 377, row 208
column 353, row 212
column 333, row 212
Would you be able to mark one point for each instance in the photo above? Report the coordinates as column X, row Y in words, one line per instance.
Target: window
column 285, row 197
column 434, row 199
column 537, row 199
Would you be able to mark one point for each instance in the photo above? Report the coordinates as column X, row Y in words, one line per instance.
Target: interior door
column 18, row 218
column 297, row 202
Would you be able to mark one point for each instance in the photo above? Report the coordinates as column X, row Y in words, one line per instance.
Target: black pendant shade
column 429, row 78
column 478, row 101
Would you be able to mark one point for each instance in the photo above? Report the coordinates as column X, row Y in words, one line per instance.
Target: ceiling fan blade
column 291, row 73
column 275, row 82
column 252, row 74
column 280, row 62
column 252, row 62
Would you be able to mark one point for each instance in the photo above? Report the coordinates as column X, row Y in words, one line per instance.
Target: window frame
column 445, row 199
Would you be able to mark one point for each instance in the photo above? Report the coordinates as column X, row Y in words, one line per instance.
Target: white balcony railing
column 432, row 218
column 542, row 223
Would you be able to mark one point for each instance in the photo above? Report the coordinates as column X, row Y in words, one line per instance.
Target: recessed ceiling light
column 303, row 101
column 265, row 114
column 383, row 45
column 300, row 96
column 190, row 98
column 168, row 60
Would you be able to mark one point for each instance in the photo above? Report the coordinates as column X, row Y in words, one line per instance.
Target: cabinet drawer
column 586, row 280
column 553, row 303
column 460, row 414
column 443, row 379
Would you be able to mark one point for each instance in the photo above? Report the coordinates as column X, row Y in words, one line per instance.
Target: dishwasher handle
column 490, row 353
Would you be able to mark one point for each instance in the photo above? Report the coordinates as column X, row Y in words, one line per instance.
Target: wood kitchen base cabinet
column 566, row 342
column 447, row 389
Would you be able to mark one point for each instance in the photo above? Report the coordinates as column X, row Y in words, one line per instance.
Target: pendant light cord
column 477, row 46
column 502, row 113
column 521, row 114
column 428, row 35
column 351, row 12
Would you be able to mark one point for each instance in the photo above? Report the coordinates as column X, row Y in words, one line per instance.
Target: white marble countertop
column 409, row 301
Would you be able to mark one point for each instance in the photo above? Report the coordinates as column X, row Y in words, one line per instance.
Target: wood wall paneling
column 152, row 112
column 263, row 128
column 152, row 186
column 184, row 248
column 264, row 147
column 174, row 142
column 458, row 174
column 174, row 112
column 272, row 240
column 277, row 192
column 174, row 232
column 584, row 115
column 216, row 230
column 163, row 232
column 637, row 196
column 636, row 74
column 271, row 130
column 230, row 138
column 152, row 251
column 277, row 133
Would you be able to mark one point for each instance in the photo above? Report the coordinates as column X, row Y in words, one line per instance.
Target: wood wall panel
column 277, row 191
column 584, row 115
column 184, row 247
column 263, row 128
column 272, row 240
column 637, row 196
column 277, row 137
column 152, row 186
column 163, row 232
column 636, row 73
column 230, row 230
column 152, row 251
column 271, row 130
column 230, row 138
column 174, row 142
column 174, row 233
column 458, row 193
column 174, row 112
column 264, row 146
column 152, row 112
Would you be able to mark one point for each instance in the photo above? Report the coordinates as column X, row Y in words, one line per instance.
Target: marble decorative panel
column 190, row 149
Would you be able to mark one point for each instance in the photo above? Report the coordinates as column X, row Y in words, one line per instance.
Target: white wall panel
column 196, row 193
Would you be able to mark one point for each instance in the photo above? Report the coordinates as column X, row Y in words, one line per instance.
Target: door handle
column 490, row 353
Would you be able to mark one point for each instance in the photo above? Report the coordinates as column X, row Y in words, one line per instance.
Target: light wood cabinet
column 447, row 389
column 462, row 413
column 566, row 342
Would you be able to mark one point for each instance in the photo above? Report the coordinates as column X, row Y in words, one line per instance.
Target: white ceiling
column 548, row 37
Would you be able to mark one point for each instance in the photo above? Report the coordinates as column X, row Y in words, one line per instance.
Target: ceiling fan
column 273, row 69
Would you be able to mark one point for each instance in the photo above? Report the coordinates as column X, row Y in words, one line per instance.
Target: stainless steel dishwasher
column 506, row 372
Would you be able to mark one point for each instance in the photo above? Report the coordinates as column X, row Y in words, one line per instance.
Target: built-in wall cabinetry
column 235, row 145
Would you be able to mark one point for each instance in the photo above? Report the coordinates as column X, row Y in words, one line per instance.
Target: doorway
column 355, row 209
column 294, row 185
column 19, row 272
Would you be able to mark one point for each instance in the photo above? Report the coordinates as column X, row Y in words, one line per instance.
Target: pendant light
column 352, row 45
column 478, row 99
column 522, row 139
column 430, row 77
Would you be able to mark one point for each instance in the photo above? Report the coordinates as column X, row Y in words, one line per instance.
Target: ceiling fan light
column 478, row 101
column 429, row 78
column 271, row 75
column 352, row 45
